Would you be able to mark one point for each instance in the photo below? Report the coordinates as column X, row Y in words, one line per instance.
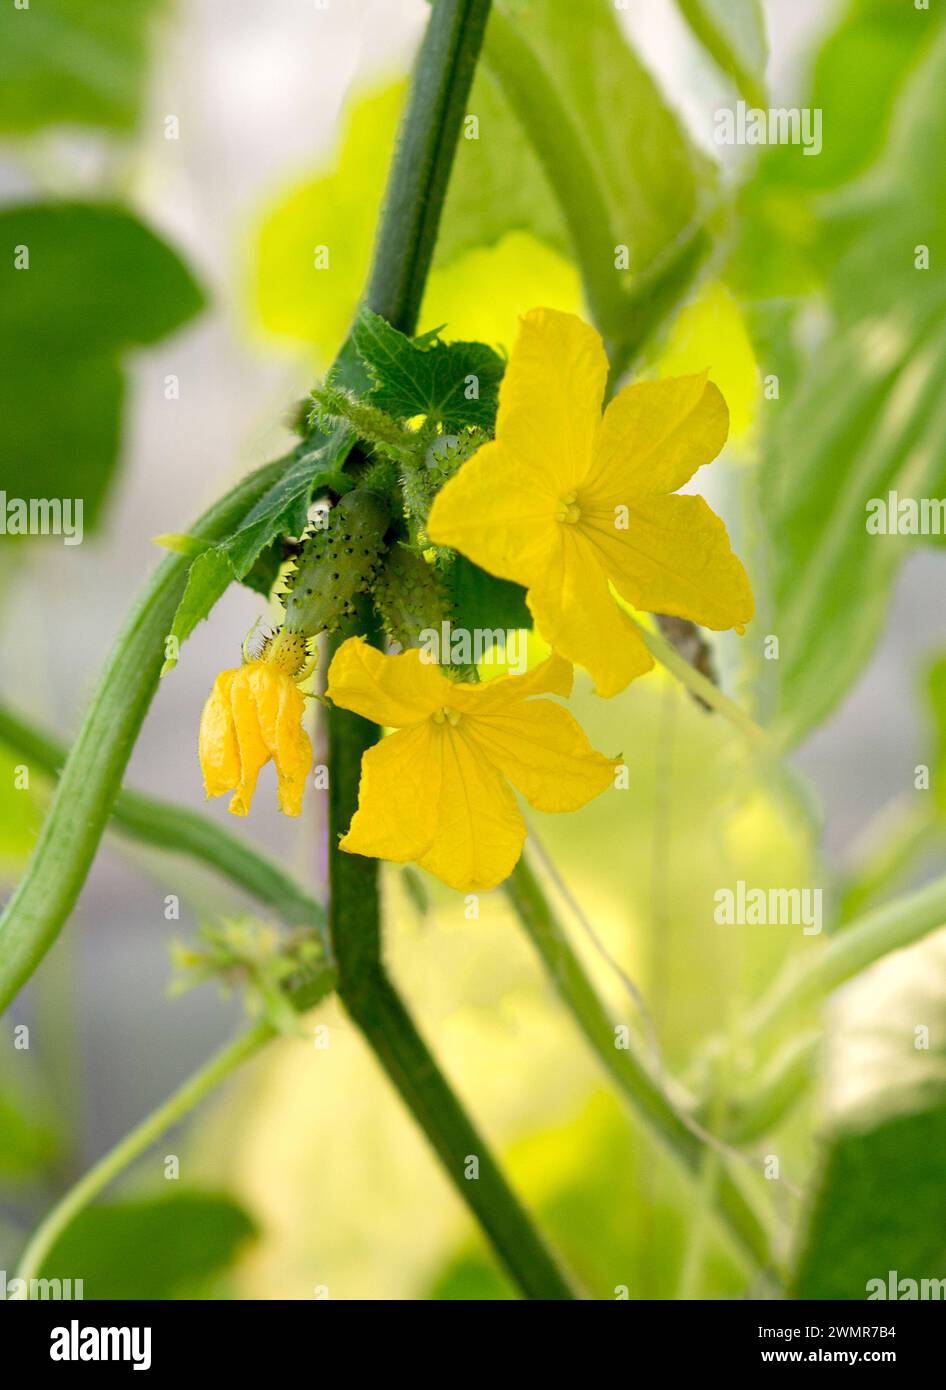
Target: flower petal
column 654, row 436
column 480, row 830
column 395, row 691
column 553, row 676
column 675, row 558
column 551, row 394
column 576, row 613
column 497, row 512
column 251, row 745
column 500, row 508
column 398, row 796
column 217, row 745
column 545, row 753
column 291, row 749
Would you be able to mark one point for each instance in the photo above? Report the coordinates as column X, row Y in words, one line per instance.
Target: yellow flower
column 570, row 503
column 255, row 713
column 436, row 791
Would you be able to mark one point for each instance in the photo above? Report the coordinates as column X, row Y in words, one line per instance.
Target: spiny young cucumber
column 338, row 561
column 408, row 596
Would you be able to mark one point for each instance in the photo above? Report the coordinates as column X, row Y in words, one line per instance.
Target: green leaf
column 621, row 167
column 733, row 34
column 428, row 377
column 250, row 553
column 76, row 62
column 497, row 184
column 880, row 1205
column 98, row 282
column 936, row 692
column 867, row 420
column 169, row 1247
column 481, row 601
column 27, row 1143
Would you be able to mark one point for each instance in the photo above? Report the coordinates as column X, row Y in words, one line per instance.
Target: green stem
column 135, row 1143
column 704, row 688
column 645, row 1094
column 702, row 21
column 68, row 840
column 416, row 189
column 427, row 140
column 888, row 928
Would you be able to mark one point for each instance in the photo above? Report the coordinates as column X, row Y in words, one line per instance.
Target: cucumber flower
column 437, row 791
column 255, row 713
column 577, row 506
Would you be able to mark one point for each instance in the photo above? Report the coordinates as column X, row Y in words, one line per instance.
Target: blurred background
column 243, row 136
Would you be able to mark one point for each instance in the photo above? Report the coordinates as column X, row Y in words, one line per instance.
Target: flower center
column 446, row 715
column 568, row 508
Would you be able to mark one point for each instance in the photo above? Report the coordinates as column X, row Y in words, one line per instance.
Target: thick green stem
column 67, row 843
column 427, row 141
column 416, row 189
column 639, row 1086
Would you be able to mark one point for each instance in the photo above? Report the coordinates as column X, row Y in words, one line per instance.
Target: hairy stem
column 416, row 189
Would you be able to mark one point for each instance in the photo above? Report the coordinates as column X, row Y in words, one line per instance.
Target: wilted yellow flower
column 436, row 791
column 255, row 713
column 570, row 503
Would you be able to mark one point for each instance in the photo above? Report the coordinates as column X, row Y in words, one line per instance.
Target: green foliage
column 261, row 960
column 879, row 1205
column 165, row 1248
column 867, row 417
column 451, row 384
column 497, row 185
column 282, row 511
column 98, row 283
column 622, row 168
column 75, row 62
column 733, row 34
column 936, row 693
column 28, row 1143
column 480, row 600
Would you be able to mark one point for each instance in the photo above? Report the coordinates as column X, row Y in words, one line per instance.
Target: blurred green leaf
column 75, row 62
column 497, row 184
column 879, row 1205
column 624, row 175
column 97, row 283
column 733, row 34
column 27, row 1142
column 165, row 1248
column 936, row 692
column 867, row 420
